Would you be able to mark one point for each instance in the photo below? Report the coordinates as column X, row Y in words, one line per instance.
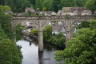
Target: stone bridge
column 66, row 24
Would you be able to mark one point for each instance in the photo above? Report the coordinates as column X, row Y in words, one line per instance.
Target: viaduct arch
column 66, row 22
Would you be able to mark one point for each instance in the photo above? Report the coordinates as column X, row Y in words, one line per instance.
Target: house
column 30, row 10
column 74, row 11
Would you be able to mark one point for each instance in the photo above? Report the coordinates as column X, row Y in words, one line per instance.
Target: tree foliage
column 83, row 25
column 47, row 33
column 57, row 40
column 91, row 5
column 82, row 48
column 53, row 5
column 18, row 5
column 5, row 8
column 56, row 5
column 34, row 32
column 9, row 52
column 5, row 21
column 19, row 29
column 43, row 4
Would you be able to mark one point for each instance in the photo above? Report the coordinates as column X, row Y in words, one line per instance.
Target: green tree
column 5, row 8
column 73, row 3
column 43, row 4
column 82, row 48
column 68, row 3
column 91, row 5
column 80, row 3
column 34, row 32
column 2, row 2
column 83, row 25
column 33, row 2
column 57, row 40
column 47, row 33
column 9, row 52
column 19, row 29
column 56, row 5
column 5, row 20
column 18, row 5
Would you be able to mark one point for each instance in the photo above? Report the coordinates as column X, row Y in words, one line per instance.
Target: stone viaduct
column 66, row 23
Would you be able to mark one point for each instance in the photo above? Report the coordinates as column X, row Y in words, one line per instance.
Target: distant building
column 74, row 11
column 47, row 13
column 86, row 12
column 29, row 10
column 53, row 13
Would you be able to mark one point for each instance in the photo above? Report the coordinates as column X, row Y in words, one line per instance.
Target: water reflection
column 48, row 57
column 32, row 56
column 30, row 52
column 40, row 58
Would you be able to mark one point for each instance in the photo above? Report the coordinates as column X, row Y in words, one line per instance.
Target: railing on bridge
column 53, row 17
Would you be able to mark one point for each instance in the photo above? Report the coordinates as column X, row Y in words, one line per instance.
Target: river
column 31, row 55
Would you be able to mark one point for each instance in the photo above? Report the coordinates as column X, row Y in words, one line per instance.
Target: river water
column 31, row 55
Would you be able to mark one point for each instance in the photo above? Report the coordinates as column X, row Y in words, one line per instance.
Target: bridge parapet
column 53, row 17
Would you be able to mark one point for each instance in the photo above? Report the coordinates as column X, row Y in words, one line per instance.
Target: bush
column 34, row 32
column 5, row 21
column 9, row 53
column 19, row 29
column 56, row 40
column 82, row 48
